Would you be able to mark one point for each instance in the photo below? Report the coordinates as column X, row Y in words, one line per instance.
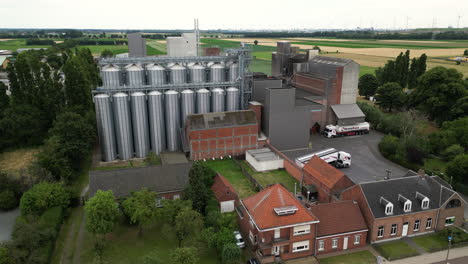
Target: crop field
column 14, row 160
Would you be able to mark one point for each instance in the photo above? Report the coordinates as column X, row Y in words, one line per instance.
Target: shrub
column 231, row 254
column 8, row 200
column 43, row 196
column 451, row 152
column 389, row 145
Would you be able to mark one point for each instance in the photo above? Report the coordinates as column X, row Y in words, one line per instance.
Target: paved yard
column 7, row 221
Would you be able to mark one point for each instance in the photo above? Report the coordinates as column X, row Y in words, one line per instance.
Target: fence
column 252, row 180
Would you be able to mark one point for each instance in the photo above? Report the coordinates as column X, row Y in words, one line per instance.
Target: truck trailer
column 339, row 159
column 331, row 131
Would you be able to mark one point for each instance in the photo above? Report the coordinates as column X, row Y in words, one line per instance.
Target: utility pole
column 449, row 245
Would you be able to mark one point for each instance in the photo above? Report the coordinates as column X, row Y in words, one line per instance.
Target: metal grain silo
column 232, row 99
column 140, row 124
column 217, row 100
column 197, row 73
column 172, row 119
column 178, row 74
column 135, row 75
column 105, row 127
column 203, row 101
column 233, row 72
column 110, row 76
column 187, row 98
column 156, row 74
column 156, row 122
column 123, row 126
column 217, row 73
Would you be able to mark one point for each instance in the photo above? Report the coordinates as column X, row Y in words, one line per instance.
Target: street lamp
column 450, row 244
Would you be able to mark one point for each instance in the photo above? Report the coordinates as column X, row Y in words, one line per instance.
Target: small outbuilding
column 347, row 114
column 224, row 193
column 264, row 159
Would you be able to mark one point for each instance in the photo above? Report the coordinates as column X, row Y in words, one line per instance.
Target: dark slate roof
column 343, row 111
column 407, row 187
column 221, row 119
column 161, row 179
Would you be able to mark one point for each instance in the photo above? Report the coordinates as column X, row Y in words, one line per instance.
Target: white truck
column 339, row 159
column 340, row 131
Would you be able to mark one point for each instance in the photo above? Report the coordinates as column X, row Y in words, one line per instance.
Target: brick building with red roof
column 341, row 227
column 277, row 225
column 224, row 193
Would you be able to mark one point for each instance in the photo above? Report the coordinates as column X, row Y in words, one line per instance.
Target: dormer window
column 406, row 203
column 424, row 200
column 388, row 206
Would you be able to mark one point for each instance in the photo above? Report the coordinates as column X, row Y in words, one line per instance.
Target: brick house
column 327, row 179
column 407, row 206
column 341, row 227
column 224, row 193
column 277, row 225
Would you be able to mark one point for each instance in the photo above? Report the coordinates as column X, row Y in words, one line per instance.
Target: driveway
column 7, row 221
column 367, row 162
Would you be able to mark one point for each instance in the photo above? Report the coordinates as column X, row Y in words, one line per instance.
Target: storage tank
column 156, row 122
column 172, row 119
column 140, row 124
column 110, row 77
column 233, row 72
column 156, row 74
column 217, row 100
column 232, row 99
column 123, row 127
column 178, row 74
column 203, row 101
column 135, row 75
column 105, row 127
column 197, row 73
column 187, row 98
column 217, row 73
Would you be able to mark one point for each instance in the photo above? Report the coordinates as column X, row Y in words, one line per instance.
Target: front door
column 404, row 232
column 276, row 250
column 345, row 243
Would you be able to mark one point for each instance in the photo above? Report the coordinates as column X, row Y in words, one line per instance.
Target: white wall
column 183, row 46
column 227, row 206
column 264, row 165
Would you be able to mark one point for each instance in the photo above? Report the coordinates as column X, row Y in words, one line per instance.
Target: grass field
column 272, row 177
column 14, row 160
column 395, row 250
column 366, row 70
column 234, row 175
column 362, row 257
column 431, row 242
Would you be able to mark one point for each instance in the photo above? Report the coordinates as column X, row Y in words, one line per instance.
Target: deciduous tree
column 140, row 207
column 368, row 85
column 102, row 212
column 185, row 255
column 231, row 254
column 390, row 96
column 188, row 223
column 43, row 196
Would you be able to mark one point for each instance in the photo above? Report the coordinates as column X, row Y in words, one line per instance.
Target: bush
column 8, row 200
column 451, row 152
column 389, row 145
column 231, row 254
column 43, row 196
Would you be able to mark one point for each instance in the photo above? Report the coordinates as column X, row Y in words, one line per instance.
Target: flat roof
column 343, row 111
column 263, row 154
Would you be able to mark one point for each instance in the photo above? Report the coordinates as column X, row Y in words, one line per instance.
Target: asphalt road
column 367, row 164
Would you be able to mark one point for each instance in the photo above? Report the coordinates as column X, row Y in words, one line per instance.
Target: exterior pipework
column 232, row 99
column 140, row 124
column 172, row 119
column 217, row 100
column 123, row 127
column 198, row 73
column 233, row 72
column 156, row 122
column 203, row 101
column 110, row 76
column 187, row 98
column 156, row 74
column 135, row 75
column 178, row 74
column 105, row 127
column 217, row 73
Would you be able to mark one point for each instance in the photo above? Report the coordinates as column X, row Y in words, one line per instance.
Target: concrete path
column 414, row 245
column 462, row 260
column 434, row 257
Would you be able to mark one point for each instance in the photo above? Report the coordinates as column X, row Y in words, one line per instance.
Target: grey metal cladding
column 197, row 73
column 105, row 126
column 178, row 74
column 217, row 100
column 217, row 72
column 156, row 74
column 203, row 101
column 187, row 100
column 123, row 126
column 140, row 124
column 172, row 119
column 156, row 122
column 232, row 99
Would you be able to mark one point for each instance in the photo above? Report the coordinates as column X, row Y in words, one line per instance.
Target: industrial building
column 183, row 46
column 136, row 45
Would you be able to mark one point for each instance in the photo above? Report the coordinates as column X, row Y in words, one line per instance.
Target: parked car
column 239, row 240
column 253, row 261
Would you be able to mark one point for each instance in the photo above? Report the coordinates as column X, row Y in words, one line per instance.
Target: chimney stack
column 422, row 173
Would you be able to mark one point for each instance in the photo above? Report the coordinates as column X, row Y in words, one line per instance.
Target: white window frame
column 389, row 209
column 321, row 246
column 425, row 201
column 450, row 217
column 417, row 225
column 380, row 231
column 394, row 226
column 251, row 237
column 176, row 196
column 301, row 246
column 301, row 230
column 429, row 223
column 407, row 207
column 277, row 233
column 335, row 243
column 357, row 239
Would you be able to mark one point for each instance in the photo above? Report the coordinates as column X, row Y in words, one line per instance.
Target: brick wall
column 257, row 108
column 458, row 212
column 355, row 194
column 328, row 242
column 170, row 195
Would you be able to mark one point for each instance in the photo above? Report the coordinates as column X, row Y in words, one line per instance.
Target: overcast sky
column 237, row 14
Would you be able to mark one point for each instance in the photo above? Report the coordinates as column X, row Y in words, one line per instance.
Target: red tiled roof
column 324, row 172
column 338, row 217
column 261, row 207
column 223, row 190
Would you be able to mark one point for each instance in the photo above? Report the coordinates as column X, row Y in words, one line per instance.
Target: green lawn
column 431, row 243
column 395, row 250
column 381, row 44
column 366, row 70
column 69, row 227
column 362, row 257
column 263, row 55
column 116, row 49
column 234, row 175
column 435, row 165
column 259, row 65
column 272, row 177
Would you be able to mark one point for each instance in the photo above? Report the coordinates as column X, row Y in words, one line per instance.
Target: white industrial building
column 264, row 159
column 183, row 46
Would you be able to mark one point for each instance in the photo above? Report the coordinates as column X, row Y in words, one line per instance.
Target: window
column 425, row 203
column 407, row 206
column 321, row 245
column 393, row 230
column 300, row 246
column 299, row 230
column 453, row 204
column 389, row 209
column 380, row 231
column 416, row 225
column 450, row 220
column 176, row 196
column 429, row 223
column 335, row 243
column 251, row 237
column 277, row 233
column 357, row 239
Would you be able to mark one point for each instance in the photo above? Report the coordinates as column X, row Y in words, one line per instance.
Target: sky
column 239, row 14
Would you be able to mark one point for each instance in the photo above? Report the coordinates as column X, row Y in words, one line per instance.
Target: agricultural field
column 15, row 160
